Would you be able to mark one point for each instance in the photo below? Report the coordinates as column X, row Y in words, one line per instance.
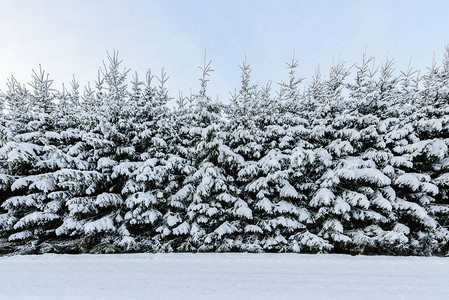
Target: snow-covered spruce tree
column 6, row 180
column 328, row 211
column 107, row 144
column 251, row 112
column 364, row 173
column 305, row 133
column 435, row 126
column 92, row 217
column 383, row 231
column 265, row 174
column 36, row 156
column 150, row 217
column 216, row 213
column 191, row 117
column 138, row 204
column 28, row 215
column 422, row 202
column 382, row 103
column 351, row 203
column 79, row 183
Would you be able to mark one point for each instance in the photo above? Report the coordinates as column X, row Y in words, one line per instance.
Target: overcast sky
column 72, row 37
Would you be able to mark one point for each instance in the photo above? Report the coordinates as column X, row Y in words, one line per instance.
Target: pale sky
column 72, row 37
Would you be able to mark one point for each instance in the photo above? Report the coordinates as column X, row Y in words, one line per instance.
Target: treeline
column 344, row 165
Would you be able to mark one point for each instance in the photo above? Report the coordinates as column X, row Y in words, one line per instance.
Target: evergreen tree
column 344, row 165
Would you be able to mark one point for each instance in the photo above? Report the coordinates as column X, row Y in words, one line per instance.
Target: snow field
column 223, row 276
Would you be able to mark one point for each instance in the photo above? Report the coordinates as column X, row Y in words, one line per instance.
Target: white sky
column 72, row 37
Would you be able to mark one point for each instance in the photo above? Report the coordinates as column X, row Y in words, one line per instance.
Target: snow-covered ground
column 223, row 276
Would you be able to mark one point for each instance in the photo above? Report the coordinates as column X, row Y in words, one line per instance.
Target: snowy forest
column 354, row 162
